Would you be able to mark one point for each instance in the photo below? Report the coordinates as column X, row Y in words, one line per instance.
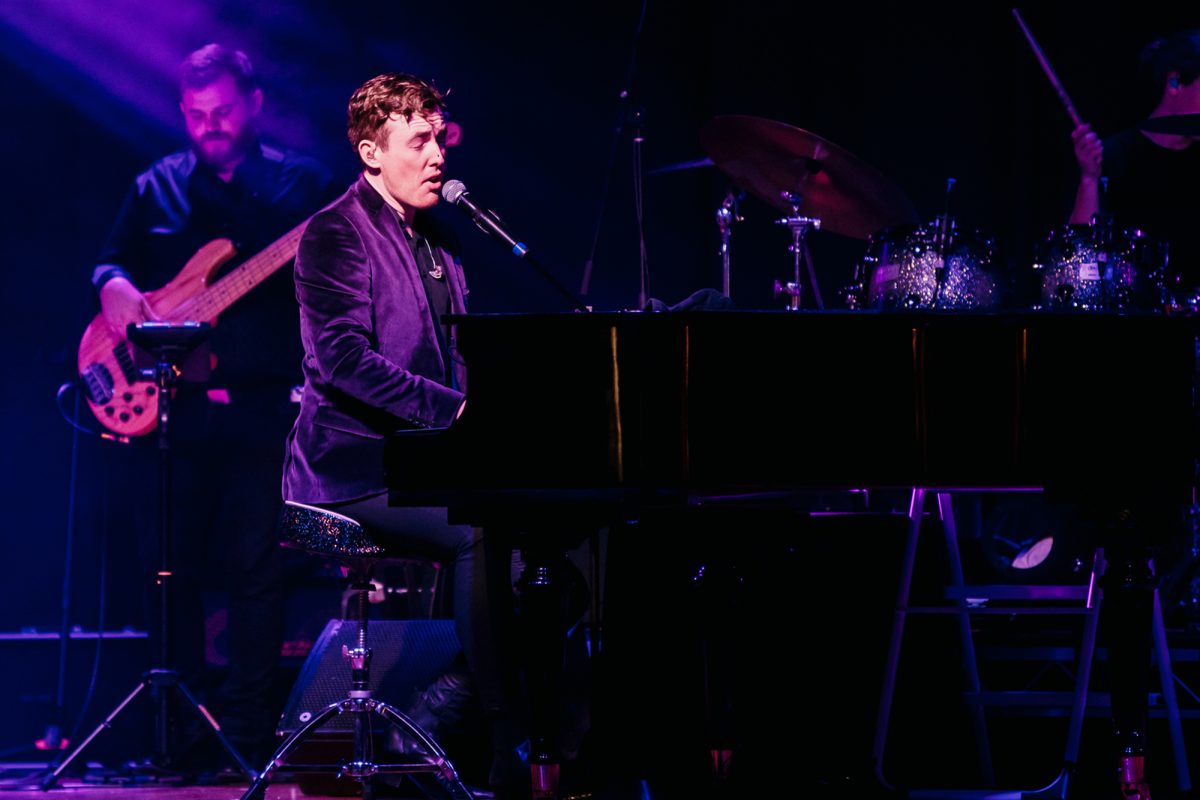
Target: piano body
column 626, row 409
column 577, row 420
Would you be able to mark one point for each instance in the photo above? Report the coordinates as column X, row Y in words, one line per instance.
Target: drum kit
column 908, row 264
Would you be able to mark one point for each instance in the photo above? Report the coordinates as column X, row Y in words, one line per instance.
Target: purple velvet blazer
column 371, row 357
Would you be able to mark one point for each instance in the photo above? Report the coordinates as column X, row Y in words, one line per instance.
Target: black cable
column 54, row 730
column 52, row 737
column 64, row 627
column 622, row 113
column 74, row 422
column 100, row 623
column 85, row 706
column 103, row 590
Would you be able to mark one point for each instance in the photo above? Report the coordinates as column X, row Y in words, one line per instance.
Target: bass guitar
column 123, row 400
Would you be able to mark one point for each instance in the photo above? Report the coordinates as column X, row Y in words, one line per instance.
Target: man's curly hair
column 387, row 95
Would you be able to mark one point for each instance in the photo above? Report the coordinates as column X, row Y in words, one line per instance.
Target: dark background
column 921, row 91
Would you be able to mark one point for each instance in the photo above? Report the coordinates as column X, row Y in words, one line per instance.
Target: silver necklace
column 435, row 269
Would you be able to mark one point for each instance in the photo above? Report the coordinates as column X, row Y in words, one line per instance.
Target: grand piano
column 582, row 420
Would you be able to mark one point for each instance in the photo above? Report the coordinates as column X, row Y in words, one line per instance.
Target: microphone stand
column 638, row 117
column 576, row 303
column 488, row 222
column 622, row 120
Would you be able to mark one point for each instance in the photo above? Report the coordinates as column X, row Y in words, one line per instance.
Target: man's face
column 219, row 119
column 411, row 165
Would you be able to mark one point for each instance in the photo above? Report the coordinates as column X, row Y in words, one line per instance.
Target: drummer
column 1153, row 179
column 1147, row 180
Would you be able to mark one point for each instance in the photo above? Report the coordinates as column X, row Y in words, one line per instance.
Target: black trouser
column 1127, row 612
column 481, row 586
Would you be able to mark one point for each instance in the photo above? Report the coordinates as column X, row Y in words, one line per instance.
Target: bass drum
column 1083, row 268
column 904, row 269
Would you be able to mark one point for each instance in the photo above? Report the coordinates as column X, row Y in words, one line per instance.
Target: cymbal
column 1181, row 124
column 771, row 160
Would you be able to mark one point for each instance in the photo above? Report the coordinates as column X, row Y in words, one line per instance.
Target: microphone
column 455, row 193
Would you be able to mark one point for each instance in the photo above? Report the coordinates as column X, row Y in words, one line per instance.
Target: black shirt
column 437, row 292
column 1158, row 190
column 180, row 204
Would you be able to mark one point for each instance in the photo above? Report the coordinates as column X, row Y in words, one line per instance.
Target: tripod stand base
column 431, row 762
column 157, row 680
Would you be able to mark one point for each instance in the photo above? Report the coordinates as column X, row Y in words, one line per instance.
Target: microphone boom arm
column 486, row 220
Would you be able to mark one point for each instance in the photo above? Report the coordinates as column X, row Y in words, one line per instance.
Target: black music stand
column 169, row 353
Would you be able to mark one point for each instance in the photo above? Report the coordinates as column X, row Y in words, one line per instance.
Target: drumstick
column 1041, row 57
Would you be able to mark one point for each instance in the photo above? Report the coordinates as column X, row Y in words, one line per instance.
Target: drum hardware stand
column 727, row 214
column 174, row 349
column 1102, row 240
column 799, row 226
column 945, row 232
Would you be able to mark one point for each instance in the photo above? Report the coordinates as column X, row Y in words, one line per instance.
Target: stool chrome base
column 431, row 760
column 326, row 533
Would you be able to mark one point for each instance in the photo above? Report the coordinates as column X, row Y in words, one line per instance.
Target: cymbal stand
column 799, row 226
column 727, row 214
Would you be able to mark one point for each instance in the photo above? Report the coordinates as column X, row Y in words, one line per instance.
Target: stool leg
column 445, row 775
column 259, row 787
column 363, row 764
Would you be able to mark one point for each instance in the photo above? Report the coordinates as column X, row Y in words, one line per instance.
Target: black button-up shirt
column 180, row 204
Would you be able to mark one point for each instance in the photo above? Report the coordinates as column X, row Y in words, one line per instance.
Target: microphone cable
column 72, row 419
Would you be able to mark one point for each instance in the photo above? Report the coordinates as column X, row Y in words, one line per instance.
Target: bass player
column 227, row 436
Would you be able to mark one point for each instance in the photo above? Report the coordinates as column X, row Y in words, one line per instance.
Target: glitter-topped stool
column 330, row 535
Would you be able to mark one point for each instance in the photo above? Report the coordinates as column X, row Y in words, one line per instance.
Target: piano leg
column 1129, row 598
column 1133, row 621
column 715, row 586
column 546, row 611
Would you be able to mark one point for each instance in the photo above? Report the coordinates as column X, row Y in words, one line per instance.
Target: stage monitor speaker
column 406, row 656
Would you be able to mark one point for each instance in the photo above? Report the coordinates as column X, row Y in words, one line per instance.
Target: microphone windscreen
column 452, row 190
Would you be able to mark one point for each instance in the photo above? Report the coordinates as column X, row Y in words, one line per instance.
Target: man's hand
column 121, row 304
column 1089, row 151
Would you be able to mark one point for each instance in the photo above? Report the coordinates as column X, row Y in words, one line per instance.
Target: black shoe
column 438, row 710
